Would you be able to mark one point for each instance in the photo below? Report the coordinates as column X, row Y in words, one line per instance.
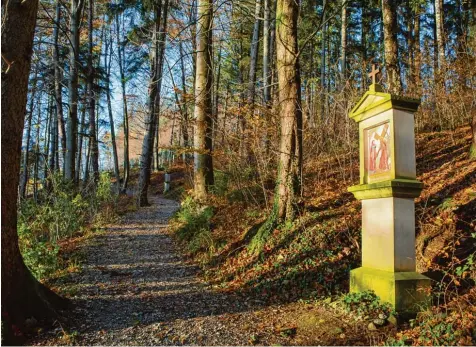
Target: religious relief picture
column 378, row 151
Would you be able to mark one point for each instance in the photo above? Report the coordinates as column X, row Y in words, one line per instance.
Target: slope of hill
column 311, row 258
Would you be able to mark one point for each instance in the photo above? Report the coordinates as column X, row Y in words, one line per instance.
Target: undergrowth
column 59, row 213
column 194, row 226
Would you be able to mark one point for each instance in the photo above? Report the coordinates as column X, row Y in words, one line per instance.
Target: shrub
column 58, row 213
column 194, row 226
column 366, row 303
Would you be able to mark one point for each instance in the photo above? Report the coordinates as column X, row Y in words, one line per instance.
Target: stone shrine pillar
column 387, row 189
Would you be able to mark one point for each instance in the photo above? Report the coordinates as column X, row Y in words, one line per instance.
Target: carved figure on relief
column 379, row 149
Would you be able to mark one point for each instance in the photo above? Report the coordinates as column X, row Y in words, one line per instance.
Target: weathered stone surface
column 405, row 291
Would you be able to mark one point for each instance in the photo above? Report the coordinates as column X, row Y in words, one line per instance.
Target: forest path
column 135, row 289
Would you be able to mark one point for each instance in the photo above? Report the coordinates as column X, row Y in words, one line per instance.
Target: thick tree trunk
column 120, row 53
column 91, row 98
column 290, row 158
column 58, row 82
column 22, row 295
column 72, row 124
column 203, row 102
column 154, row 102
column 389, row 13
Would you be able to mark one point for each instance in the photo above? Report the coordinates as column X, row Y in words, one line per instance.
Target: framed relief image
column 378, row 155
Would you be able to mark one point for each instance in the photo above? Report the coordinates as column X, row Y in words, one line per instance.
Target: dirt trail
column 135, row 289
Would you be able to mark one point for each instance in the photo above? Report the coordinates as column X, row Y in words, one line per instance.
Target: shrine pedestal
column 387, row 189
column 407, row 292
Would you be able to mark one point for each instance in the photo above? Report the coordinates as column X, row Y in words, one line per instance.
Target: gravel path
column 135, row 289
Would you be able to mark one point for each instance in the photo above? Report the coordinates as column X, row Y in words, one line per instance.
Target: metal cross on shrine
column 374, row 73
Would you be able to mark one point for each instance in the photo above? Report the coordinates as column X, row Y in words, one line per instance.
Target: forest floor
column 134, row 288
column 136, row 283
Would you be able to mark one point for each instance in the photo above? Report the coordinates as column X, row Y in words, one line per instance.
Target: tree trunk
column 266, row 54
column 80, row 146
column 440, row 35
column 203, row 102
column 37, row 155
column 289, row 80
column 91, row 98
column 24, row 177
column 184, row 101
column 254, row 55
column 87, row 161
column 217, row 98
column 54, row 142
column 47, row 138
column 411, row 46
column 472, row 152
column 343, row 43
column 290, row 148
column 323, row 61
column 72, row 124
column 120, row 52
column 417, row 53
column 107, row 67
column 390, row 28
column 365, row 32
column 58, row 82
column 22, row 295
column 157, row 63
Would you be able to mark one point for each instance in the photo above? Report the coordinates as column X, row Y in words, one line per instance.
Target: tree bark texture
column 389, row 13
column 290, row 157
column 203, row 101
column 22, row 295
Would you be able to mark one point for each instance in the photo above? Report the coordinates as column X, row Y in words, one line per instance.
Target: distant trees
column 72, row 123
